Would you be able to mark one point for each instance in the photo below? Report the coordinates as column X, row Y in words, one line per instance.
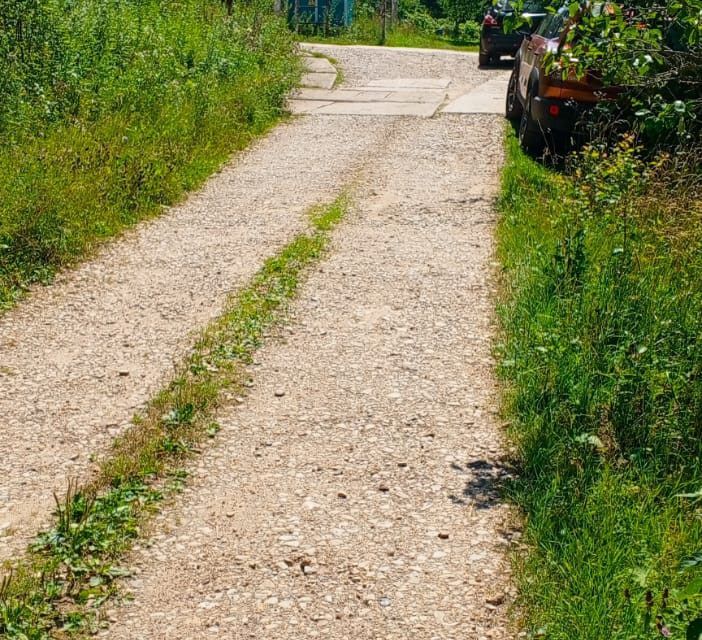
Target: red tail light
column 489, row 21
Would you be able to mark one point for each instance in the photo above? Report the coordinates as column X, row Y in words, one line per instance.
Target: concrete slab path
column 320, row 73
column 395, row 96
column 488, row 97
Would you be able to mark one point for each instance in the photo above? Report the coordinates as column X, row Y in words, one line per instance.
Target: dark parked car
column 548, row 103
column 495, row 42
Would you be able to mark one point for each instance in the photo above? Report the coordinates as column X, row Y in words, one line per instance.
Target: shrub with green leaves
column 650, row 49
column 460, row 11
column 112, row 109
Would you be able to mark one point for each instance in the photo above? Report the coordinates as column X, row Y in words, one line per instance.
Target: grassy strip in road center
column 70, row 570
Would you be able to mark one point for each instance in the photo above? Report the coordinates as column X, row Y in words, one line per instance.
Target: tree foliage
column 461, row 10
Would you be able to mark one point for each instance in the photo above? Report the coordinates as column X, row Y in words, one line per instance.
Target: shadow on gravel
column 504, row 63
column 486, row 486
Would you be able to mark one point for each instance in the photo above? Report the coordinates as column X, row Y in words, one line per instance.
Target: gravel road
column 361, row 503
column 354, row 493
column 79, row 357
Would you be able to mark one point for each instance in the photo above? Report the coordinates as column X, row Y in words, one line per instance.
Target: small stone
column 341, row 494
column 402, row 465
column 229, row 514
column 444, row 535
column 383, row 487
column 279, row 393
column 384, row 601
column 123, row 372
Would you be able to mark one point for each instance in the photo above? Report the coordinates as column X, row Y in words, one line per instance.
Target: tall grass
column 602, row 361
column 112, row 109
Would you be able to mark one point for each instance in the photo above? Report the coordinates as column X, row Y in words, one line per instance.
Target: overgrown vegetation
column 112, row 109
column 602, row 357
column 651, row 51
column 451, row 24
column 654, row 51
column 72, row 567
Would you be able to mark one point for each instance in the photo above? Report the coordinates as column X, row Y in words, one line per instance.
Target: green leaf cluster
column 652, row 51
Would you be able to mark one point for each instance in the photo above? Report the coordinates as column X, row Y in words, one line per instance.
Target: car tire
column 483, row 59
column 531, row 138
column 513, row 107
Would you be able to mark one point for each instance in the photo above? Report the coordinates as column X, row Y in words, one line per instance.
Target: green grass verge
column 71, row 568
column 415, row 41
column 113, row 110
column 602, row 362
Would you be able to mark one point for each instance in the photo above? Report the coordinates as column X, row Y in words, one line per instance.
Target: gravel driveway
column 361, row 502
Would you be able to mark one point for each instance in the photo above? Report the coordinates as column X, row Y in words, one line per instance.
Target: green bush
column 469, row 31
column 416, row 26
column 602, row 359
column 651, row 51
column 459, row 11
column 112, row 109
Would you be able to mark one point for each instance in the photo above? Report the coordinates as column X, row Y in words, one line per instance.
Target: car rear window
column 530, row 6
column 552, row 26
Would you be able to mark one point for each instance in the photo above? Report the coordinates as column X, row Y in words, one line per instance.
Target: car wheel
column 531, row 138
column 483, row 59
column 513, row 108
